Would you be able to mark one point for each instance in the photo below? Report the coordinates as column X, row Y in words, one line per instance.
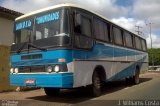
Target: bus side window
column 101, row 30
column 144, row 48
column 82, row 25
column 86, row 26
column 107, row 32
column 98, row 29
column 82, row 31
column 118, row 37
column 138, row 43
column 128, row 39
column 77, row 23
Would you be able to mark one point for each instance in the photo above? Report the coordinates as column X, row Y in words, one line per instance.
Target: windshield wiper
column 20, row 49
column 30, row 45
column 35, row 46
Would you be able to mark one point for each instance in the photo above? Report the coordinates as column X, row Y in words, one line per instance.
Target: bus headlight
column 16, row 70
column 12, row 70
column 56, row 68
column 49, row 69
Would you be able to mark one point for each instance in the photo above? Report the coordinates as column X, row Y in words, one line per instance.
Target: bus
column 67, row 46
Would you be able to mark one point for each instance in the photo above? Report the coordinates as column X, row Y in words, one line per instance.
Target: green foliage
column 155, row 54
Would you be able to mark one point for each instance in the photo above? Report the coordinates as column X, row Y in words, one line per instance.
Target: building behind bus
column 7, row 18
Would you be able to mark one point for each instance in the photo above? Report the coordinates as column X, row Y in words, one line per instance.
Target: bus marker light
column 62, row 60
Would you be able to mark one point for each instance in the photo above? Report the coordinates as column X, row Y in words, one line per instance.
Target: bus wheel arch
column 137, row 69
column 134, row 80
column 98, row 77
column 101, row 71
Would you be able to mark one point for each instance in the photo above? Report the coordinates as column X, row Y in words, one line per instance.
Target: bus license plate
column 30, row 82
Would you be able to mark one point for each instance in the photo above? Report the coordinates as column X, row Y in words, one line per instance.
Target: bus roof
column 69, row 5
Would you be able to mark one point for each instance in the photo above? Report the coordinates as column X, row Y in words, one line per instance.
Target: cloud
column 129, row 23
column 148, row 10
column 107, row 8
column 25, row 5
column 155, row 41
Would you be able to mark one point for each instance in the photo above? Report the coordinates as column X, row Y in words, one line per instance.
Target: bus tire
column 51, row 91
column 96, row 84
column 136, row 79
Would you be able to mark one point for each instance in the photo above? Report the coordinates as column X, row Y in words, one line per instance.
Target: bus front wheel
column 52, row 91
column 96, row 84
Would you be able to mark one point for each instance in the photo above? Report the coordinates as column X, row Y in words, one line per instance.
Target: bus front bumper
column 57, row 80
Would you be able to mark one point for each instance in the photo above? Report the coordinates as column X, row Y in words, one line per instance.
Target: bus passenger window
column 86, row 26
column 83, row 32
column 107, row 32
column 77, row 23
column 101, row 30
column 138, row 43
column 128, row 39
column 144, row 45
column 82, row 25
column 117, row 36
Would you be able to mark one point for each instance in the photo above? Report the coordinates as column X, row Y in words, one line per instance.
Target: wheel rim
column 97, row 83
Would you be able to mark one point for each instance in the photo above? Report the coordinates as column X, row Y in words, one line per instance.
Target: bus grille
column 32, row 69
column 29, row 57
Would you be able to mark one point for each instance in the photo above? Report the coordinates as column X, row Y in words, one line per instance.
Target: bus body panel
column 57, row 80
column 43, row 79
column 118, row 63
column 48, row 58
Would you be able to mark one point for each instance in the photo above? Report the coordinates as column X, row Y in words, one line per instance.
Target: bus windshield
column 41, row 27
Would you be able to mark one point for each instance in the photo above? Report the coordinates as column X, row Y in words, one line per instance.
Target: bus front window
column 50, row 26
column 26, row 35
column 46, row 30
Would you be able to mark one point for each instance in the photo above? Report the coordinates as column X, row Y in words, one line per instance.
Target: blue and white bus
column 66, row 46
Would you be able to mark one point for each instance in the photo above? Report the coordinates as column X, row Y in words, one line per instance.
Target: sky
column 126, row 13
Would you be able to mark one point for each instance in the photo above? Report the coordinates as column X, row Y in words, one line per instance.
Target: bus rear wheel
column 134, row 79
column 51, row 91
column 96, row 85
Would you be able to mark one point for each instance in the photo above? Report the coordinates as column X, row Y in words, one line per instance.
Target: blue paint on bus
column 57, row 80
column 51, row 57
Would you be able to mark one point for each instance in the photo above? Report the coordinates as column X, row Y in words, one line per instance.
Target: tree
column 155, row 53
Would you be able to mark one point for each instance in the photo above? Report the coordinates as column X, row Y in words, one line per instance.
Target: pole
column 150, row 26
column 138, row 30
